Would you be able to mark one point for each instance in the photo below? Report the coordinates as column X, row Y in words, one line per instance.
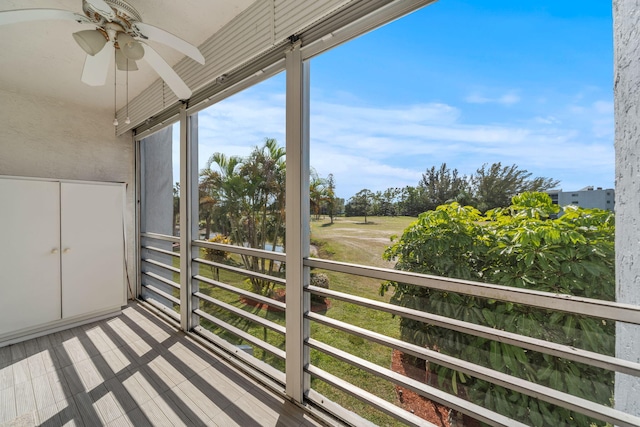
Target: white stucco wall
column 45, row 138
column 626, row 15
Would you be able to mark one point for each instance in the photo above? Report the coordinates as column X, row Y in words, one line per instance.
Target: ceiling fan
column 119, row 26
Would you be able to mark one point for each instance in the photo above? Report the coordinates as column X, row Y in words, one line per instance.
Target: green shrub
column 518, row 246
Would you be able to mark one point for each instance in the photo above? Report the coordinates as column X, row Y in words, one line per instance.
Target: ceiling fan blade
column 96, row 67
column 170, row 77
column 156, row 34
column 28, row 15
column 102, row 8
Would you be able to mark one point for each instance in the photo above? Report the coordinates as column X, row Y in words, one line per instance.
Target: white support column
column 194, row 217
column 626, row 15
column 188, row 199
column 297, row 226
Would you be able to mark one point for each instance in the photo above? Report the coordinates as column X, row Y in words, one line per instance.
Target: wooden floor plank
column 87, row 410
column 196, row 416
column 25, row 399
column 206, row 404
column 115, row 360
column 168, row 372
column 21, row 371
column 17, row 351
column 131, row 370
column 48, row 416
column 59, row 387
column 121, row 395
column 36, row 365
column 73, row 379
column 138, row 418
column 68, row 413
column 173, row 412
column 133, row 387
column 42, row 392
column 122, row 421
column 6, row 376
column 7, row 404
column 31, row 347
column 154, row 414
column 75, row 350
column 88, row 374
column 107, row 405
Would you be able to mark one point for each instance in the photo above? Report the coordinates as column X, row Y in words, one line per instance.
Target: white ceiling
column 42, row 58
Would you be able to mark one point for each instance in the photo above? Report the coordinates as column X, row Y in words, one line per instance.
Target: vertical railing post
column 188, row 199
column 194, row 203
column 297, row 223
column 139, row 190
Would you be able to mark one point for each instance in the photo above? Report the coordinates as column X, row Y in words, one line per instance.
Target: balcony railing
column 252, row 327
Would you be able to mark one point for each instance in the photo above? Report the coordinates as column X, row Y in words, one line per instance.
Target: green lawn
column 349, row 240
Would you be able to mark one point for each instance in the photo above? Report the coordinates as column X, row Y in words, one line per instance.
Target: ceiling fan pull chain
column 127, row 120
column 115, row 91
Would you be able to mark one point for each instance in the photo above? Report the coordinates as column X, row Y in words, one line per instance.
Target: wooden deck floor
column 131, row 370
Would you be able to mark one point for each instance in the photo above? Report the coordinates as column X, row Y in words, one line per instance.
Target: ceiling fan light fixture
column 123, row 64
column 91, row 41
column 129, row 47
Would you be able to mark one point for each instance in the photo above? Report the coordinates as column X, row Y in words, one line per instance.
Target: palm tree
column 248, row 195
column 317, row 192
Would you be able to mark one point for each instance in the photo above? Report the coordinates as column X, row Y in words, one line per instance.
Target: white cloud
column 381, row 147
column 547, row 120
column 509, row 98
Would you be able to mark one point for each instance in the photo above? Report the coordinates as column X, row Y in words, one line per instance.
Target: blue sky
column 464, row 82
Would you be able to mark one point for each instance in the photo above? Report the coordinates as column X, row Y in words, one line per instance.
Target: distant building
column 588, row 197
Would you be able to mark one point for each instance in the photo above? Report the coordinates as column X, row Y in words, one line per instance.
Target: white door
column 92, row 248
column 29, row 253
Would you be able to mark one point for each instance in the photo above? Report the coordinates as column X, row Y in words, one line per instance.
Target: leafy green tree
column 360, row 204
column 441, row 186
column 494, row 185
column 176, row 208
column 317, row 193
column 207, row 200
column 517, row 246
column 249, row 201
column 411, row 201
column 332, row 201
column 385, row 203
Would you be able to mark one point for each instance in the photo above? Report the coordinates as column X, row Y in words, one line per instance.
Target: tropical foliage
column 243, row 199
column 491, row 186
column 242, row 202
column 519, row 246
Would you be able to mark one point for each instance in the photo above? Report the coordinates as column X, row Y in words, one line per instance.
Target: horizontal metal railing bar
column 161, row 293
column 161, row 279
column 158, row 236
column 260, row 253
column 242, row 313
column 261, row 368
column 560, row 302
column 449, row 400
column 534, row 390
column 369, row 398
column 164, row 310
column 242, row 271
column 542, row 346
column 162, row 251
column 161, row 265
column 345, row 416
column 265, row 300
column 242, row 334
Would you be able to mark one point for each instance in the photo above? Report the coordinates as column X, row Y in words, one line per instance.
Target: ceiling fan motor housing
column 122, row 14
